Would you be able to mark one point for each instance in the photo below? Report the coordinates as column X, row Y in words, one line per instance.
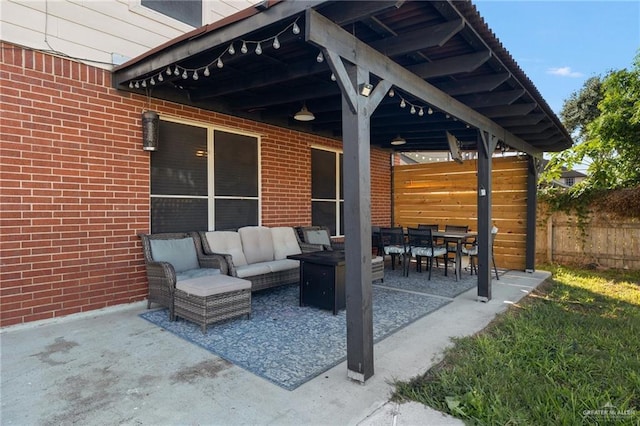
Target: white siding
column 94, row 30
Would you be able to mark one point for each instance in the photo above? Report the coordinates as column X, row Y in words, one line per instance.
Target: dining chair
column 421, row 244
column 452, row 245
column 394, row 244
column 377, row 247
column 433, row 227
column 472, row 252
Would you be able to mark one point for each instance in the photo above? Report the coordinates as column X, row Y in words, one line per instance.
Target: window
column 187, row 11
column 203, row 178
column 569, row 181
column 327, row 198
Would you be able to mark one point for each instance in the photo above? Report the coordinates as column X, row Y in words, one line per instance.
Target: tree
column 604, row 119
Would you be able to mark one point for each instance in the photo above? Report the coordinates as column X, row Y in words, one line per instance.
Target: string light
column 414, row 108
column 205, row 71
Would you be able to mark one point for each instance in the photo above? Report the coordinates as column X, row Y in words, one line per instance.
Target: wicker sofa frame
column 162, row 275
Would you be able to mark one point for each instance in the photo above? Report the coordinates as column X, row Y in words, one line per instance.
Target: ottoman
column 377, row 268
column 213, row 298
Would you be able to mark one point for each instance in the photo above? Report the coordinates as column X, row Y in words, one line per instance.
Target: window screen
column 327, row 207
column 182, row 169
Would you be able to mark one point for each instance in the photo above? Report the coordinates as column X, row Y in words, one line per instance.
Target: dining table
column 459, row 238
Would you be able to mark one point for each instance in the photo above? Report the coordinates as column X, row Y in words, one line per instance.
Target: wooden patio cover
column 448, row 73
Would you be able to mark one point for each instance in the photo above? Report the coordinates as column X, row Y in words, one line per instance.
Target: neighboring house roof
column 456, row 66
column 572, row 174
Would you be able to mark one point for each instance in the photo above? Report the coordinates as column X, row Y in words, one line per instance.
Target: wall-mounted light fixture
column 304, row 114
column 365, row 89
column 150, row 130
column 398, row 141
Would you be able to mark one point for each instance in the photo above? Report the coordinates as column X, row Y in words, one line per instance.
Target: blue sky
column 560, row 44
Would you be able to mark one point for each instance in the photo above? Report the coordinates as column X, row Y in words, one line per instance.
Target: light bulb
column 296, row 28
column 413, row 109
column 152, row 81
column 176, row 71
column 131, row 85
column 258, row 49
column 276, row 43
column 160, row 77
column 231, row 49
column 244, row 49
column 421, row 112
column 320, row 57
column 137, row 85
column 168, row 71
column 195, row 75
column 185, row 75
column 333, row 77
column 429, row 111
column 403, row 104
column 392, row 93
column 220, row 64
column 206, row 72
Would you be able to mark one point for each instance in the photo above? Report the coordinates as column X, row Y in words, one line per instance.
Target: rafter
column 474, row 84
column 436, row 35
column 450, row 66
column 489, row 99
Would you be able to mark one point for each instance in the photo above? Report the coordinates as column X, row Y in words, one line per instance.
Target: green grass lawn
column 568, row 354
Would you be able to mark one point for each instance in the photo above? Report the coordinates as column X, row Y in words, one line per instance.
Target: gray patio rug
column 288, row 344
column 439, row 285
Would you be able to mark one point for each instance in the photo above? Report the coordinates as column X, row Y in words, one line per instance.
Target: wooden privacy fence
column 603, row 240
column 446, row 193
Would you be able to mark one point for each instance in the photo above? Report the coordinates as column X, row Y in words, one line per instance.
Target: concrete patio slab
column 112, row 367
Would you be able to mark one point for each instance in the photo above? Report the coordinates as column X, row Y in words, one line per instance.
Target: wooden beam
column 324, row 33
column 259, row 80
column 474, row 85
column 209, row 40
column 422, row 38
column 515, row 110
column 450, row 66
column 345, row 13
column 342, row 78
column 529, row 119
column 488, row 99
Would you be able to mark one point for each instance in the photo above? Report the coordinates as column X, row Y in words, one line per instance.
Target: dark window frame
column 321, row 204
column 227, row 210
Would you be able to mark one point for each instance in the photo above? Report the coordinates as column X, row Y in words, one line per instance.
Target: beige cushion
column 229, row 243
column 285, row 242
column 257, row 243
column 283, row 265
column 214, row 284
column 253, row 269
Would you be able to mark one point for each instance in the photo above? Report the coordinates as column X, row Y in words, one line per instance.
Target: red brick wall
column 74, row 185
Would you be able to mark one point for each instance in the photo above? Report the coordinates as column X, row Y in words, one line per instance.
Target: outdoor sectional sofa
column 258, row 253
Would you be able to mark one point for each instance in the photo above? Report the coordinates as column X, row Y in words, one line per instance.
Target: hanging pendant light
column 398, row 140
column 304, row 114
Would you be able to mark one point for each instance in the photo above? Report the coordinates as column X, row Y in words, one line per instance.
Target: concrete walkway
column 112, row 368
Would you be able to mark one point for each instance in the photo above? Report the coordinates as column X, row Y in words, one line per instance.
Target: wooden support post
column 356, row 115
column 532, row 211
column 486, row 146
